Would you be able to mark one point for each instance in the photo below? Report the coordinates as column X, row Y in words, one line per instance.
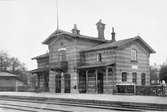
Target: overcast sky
column 25, row 24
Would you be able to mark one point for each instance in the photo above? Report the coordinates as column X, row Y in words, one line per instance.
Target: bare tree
column 4, row 61
column 12, row 65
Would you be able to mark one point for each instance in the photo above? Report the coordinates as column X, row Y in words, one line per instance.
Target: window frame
column 99, row 57
column 133, row 54
column 134, row 77
column 124, row 76
column 143, row 78
column 62, row 55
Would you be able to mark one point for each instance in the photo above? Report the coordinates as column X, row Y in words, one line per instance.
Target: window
column 134, row 77
column 124, row 76
column 133, row 55
column 110, row 72
column 143, row 79
column 62, row 55
column 99, row 57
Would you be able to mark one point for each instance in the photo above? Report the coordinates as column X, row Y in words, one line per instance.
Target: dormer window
column 133, row 55
column 99, row 57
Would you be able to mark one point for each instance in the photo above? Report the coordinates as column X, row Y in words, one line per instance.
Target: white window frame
column 99, row 57
column 133, row 55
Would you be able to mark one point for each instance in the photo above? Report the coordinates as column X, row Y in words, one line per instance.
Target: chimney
column 100, row 29
column 75, row 30
column 113, row 35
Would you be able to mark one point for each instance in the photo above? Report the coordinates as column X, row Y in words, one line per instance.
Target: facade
column 77, row 63
column 9, row 82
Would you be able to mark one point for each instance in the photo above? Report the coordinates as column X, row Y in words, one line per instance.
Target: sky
column 25, row 24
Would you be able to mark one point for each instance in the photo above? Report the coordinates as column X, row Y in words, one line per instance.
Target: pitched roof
column 62, row 32
column 120, row 43
column 40, row 70
column 42, row 56
column 6, row 74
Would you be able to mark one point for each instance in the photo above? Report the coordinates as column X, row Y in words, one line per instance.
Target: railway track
column 116, row 106
column 30, row 108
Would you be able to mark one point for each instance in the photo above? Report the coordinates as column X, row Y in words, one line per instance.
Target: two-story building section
column 77, row 63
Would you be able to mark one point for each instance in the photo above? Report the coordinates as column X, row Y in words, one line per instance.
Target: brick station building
column 77, row 63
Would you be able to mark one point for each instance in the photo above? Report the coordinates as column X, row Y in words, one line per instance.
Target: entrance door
column 46, row 81
column 58, row 83
column 82, row 82
column 67, row 83
column 100, row 83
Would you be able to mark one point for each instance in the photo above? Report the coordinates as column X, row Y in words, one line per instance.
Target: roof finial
column 113, row 35
column 75, row 30
column 57, row 14
column 75, row 26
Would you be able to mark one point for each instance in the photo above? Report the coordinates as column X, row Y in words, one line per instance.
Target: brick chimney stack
column 113, row 35
column 75, row 30
column 100, row 29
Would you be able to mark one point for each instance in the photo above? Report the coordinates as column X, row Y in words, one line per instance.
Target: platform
column 100, row 97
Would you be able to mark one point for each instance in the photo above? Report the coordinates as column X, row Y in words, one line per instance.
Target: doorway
column 67, row 83
column 58, row 83
column 82, row 82
column 100, row 82
column 46, row 82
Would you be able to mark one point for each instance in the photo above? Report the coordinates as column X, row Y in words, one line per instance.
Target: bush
column 154, row 90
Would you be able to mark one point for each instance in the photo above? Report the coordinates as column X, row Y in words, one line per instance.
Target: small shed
column 9, row 82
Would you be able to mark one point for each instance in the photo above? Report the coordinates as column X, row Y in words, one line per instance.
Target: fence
column 152, row 90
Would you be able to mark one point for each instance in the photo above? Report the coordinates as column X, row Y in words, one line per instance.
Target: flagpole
column 57, row 14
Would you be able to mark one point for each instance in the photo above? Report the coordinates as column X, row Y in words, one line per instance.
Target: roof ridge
column 118, row 43
column 82, row 35
column 74, row 35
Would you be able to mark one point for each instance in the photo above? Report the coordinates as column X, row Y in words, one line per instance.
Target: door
column 100, row 83
column 67, row 83
column 82, row 82
column 46, row 81
column 58, row 83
